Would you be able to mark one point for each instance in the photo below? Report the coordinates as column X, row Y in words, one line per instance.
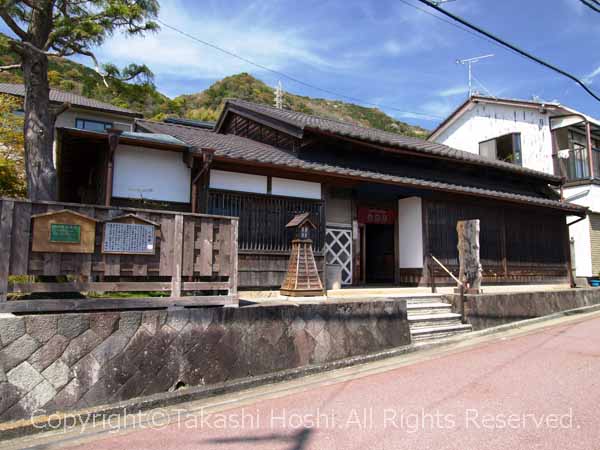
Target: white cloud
column 454, row 91
column 396, row 48
column 589, row 78
column 251, row 33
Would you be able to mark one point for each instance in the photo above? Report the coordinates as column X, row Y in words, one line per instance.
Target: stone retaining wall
column 495, row 309
column 70, row 361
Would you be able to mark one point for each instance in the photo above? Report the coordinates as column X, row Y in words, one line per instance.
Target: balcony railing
column 596, row 162
column 576, row 166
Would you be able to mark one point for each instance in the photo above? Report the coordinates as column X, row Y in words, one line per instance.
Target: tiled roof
column 241, row 149
column 306, row 121
column 57, row 96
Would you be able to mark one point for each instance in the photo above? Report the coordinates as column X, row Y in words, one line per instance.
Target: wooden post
column 431, row 275
column 503, row 245
column 177, row 257
column 588, row 132
column 233, row 275
column 463, row 316
column 6, row 222
column 468, row 254
column 113, row 142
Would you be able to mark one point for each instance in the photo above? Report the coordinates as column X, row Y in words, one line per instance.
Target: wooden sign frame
column 43, row 225
column 130, row 219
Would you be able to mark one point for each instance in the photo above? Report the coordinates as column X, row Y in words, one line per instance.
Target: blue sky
column 381, row 51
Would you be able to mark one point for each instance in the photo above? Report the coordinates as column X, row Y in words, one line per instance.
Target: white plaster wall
column 67, row 119
column 410, row 232
column 151, row 174
column 236, row 181
column 295, row 188
column 580, row 233
column 487, row 121
column 586, row 195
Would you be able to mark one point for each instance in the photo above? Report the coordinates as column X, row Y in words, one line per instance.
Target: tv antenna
column 469, row 62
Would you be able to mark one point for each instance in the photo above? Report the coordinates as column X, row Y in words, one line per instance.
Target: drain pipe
column 569, row 260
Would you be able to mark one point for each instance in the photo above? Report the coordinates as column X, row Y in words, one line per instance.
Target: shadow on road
column 298, row 440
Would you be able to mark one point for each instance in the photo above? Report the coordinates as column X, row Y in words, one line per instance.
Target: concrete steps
column 431, row 318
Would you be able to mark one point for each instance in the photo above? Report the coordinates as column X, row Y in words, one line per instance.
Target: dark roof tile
column 303, row 121
column 57, row 96
column 240, row 148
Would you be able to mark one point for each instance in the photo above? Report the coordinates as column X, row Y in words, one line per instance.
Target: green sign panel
column 66, row 233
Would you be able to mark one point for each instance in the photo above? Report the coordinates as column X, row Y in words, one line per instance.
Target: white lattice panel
column 338, row 250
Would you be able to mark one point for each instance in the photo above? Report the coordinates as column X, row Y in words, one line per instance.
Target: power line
column 513, row 47
column 455, row 25
column 591, row 4
column 291, row 78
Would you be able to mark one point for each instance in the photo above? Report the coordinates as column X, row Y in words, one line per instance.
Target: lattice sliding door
column 338, row 250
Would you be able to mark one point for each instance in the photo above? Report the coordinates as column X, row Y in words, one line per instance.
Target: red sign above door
column 376, row 216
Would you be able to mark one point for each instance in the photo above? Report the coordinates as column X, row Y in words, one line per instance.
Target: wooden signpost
column 63, row 232
column 129, row 234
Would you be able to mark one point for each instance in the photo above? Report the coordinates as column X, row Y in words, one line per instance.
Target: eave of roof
column 460, row 110
column 151, row 140
column 78, row 101
column 236, row 149
column 296, row 123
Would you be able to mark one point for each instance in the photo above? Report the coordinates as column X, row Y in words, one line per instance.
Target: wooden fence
column 194, row 258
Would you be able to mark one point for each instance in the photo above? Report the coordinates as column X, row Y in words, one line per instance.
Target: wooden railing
column 263, row 219
column 193, row 257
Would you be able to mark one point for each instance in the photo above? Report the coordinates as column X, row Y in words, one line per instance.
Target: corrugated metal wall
column 595, row 242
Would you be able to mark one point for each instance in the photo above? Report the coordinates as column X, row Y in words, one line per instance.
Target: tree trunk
column 39, row 119
column 468, row 254
column 39, row 128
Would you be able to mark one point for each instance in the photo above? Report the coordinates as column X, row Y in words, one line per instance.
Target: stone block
column 72, row 325
column 129, row 322
column 9, row 395
column 104, row 324
column 24, row 377
column 67, row 397
column 41, row 327
column 111, row 347
column 87, row 371
column 11, row 329
column 80, row 346
column 178, row 319
column 58, row 374
column 49, row 353
column 17, row 352
column 35, row 400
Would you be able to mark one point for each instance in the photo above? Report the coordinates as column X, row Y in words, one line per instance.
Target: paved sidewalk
column 530, row 388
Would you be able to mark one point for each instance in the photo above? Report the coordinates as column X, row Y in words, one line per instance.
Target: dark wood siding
column 250, row 129
column 517, row 244
column 263, row 218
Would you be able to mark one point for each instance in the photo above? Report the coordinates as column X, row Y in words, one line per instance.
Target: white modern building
column 548, row 137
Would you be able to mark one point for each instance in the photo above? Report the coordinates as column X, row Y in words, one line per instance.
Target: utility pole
column 279, row 96
column 469, row 62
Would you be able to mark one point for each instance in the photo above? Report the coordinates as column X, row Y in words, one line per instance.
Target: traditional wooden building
column 382, row 202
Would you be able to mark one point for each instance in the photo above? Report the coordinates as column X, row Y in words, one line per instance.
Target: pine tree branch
column 12, row 24
column 10, row 67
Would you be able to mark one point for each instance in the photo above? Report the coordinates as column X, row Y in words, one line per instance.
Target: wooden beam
column 405, row 151
column 367, row 179
column 177, row 256
column 6, row 222
column 114, row 304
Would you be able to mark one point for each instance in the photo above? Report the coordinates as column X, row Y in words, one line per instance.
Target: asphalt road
column 535, row 391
